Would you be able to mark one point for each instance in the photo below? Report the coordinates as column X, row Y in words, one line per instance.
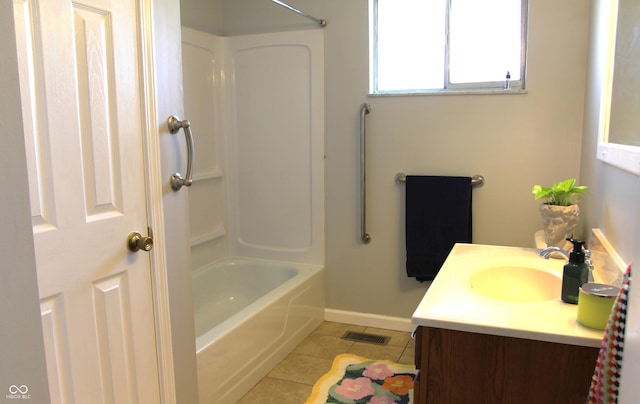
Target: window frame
column 489, row 87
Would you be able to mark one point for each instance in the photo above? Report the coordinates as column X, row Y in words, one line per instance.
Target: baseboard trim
column 368, row 320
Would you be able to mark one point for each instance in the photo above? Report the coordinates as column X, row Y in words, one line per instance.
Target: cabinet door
column 421, row 357
column 461, row 367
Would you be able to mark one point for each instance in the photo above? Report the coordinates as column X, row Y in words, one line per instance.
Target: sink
column 502, row 290
column 516, row 283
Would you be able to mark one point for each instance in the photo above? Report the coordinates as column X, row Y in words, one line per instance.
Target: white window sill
column 449, row 92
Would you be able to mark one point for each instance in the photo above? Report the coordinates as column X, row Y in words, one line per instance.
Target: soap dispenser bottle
column 575, row 274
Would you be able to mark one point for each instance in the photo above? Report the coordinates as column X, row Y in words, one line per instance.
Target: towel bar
column 477, row 181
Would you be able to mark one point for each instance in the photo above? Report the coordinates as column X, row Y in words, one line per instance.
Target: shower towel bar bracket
column 321, row 22
column 477, row 181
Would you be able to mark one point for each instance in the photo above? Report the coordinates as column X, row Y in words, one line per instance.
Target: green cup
column 594, row 304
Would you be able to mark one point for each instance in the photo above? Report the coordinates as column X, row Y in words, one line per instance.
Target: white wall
column 515, row 141
column 612, row 203
column 258, row 188
column 276, row 145
column 202, row 66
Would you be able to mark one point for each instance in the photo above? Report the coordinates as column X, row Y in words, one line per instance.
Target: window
column 443, row 46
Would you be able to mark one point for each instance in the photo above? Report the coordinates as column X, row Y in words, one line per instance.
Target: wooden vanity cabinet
column 464, row 367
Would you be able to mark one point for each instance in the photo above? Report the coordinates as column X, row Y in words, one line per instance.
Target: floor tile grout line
column 289, row 380
column 352, row 344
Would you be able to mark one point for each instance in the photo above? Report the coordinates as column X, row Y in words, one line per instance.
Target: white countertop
column 451, row 304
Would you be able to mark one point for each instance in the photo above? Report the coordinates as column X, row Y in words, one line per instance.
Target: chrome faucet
column 546, row 252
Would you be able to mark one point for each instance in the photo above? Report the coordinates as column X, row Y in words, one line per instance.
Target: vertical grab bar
column 364, row 236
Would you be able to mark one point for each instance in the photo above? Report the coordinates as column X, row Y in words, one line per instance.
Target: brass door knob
column 137, row 242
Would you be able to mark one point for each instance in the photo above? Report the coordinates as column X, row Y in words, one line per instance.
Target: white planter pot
column 559, row 223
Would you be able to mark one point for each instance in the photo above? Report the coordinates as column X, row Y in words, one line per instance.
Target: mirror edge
column 624, row 157
column 621, row 156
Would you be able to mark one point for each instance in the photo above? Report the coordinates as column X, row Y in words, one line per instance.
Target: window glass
column 410, row 44
column 447, row 45
column 484, row 40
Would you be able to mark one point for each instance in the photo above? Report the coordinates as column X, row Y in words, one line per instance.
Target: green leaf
column 561, row 192
column 358, row 366
column 380, row 391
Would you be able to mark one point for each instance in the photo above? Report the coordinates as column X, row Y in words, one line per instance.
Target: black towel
column 438, row 215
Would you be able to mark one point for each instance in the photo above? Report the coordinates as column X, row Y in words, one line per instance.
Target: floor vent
column 364, row 337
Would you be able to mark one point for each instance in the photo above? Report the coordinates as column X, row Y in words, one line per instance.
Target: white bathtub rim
column 304, row 272
column 240, row 358
column 231, row 260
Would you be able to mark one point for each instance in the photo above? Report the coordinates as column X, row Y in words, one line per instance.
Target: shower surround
column 256, row 105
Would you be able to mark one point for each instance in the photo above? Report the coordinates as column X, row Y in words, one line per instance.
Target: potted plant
column 560, row 214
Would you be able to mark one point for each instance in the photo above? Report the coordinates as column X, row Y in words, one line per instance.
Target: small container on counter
column 594, row 304
column 575, row 273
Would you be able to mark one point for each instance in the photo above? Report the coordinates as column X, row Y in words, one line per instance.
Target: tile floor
column 292, row 380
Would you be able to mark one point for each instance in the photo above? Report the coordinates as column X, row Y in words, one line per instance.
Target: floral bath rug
column 356, row 380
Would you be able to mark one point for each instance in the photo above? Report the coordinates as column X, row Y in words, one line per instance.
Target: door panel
column 82, row 111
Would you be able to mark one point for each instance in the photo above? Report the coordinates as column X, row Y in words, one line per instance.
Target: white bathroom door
column 82, row 107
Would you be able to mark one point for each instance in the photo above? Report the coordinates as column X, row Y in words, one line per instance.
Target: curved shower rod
column 302, row 13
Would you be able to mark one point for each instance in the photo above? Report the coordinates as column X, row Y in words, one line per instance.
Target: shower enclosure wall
column 256, row 106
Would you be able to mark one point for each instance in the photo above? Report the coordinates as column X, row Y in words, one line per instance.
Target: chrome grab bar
column 364, row 236
column 477, row 181
column 175, row 124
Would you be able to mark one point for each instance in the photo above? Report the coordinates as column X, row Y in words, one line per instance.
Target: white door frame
column 168, row 210
column 153, row 183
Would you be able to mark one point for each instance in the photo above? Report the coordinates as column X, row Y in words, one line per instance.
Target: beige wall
column 202, row 15
column 613, row 203
column 515, row 141
column 22, row 359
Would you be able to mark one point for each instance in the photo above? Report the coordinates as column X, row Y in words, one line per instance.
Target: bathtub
column 249, row 315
